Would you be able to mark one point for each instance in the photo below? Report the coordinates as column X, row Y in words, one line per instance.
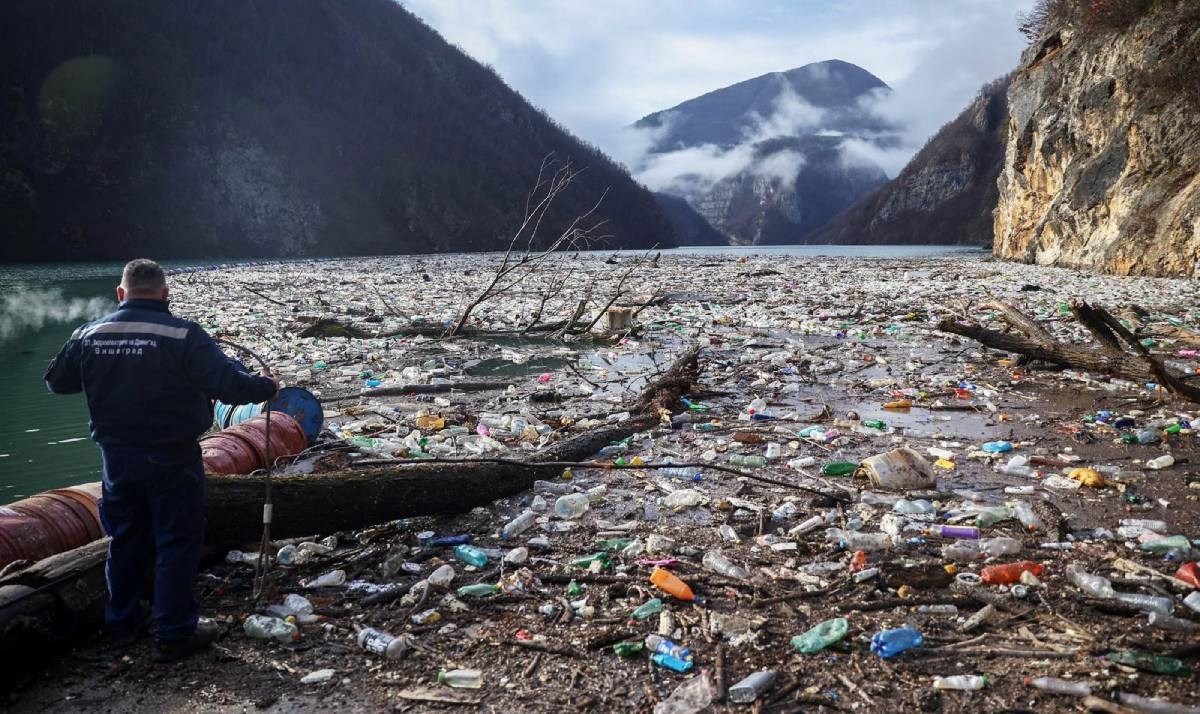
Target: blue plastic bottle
column 889, row 643
column 470, row 555
column 672, row 663
column 997, row 447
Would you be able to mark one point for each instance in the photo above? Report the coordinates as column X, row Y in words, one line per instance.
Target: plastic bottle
column 991, row 515
column 938, row 609
column 728, row 534
column 889, row 643
column 809, row 525
column 692, row 696
column 1028, row 518
column 961, row 552
column 587, row 562
column 754, row 461
column 518, row 525
column 821, row 636
column 571, row 506
column 1165, row 461
column 774, row 452
column 298, row 604
column 1002, row 545
column 287, row 554
column 997, row 447
column 839, row 468
column 461, row 678
column 962, row 682
column 683, row 473
column 661, row 645
column 261, row 627
column 870, row 542
column 1055, row 685
column 1010, row 572
column 1094, row 585
column 647, row 609
column 381, row 643
column 1149, row 662
column 718, row 563
column 442, row 577
column 1163, row 621
column 918, row 506
column 749, row 689
column 1146, row 603
column 471, row 555
column 477, row 590
column 667, row 582
column 333, row 577
column 1162, row 545
column 1154, row 705
column 1193, row 601
column 1145, row 524
column 672, row 663
column 961, row 532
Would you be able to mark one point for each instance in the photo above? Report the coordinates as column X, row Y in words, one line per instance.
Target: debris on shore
column 844, row 509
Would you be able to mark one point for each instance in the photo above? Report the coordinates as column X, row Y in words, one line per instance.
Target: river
column 44, row 441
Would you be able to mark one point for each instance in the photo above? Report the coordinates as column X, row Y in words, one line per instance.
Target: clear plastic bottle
column 1193, row 601
column 692, row 696
column 1154, row 705
column 870, row 542
column 1000, row 546
column 728, row 534
column 1165, row 461
column 754, row 461
column 1028, row 517
column 442, row 577
column 774, row 452
column 1094, row 585
column 571, row 506
column 461, row 678
column 960, row 552
column 962, row 682
column 718, row 563
column 660, row 644
column 471, row 555
column 1055, row 685
column 683, row 473
column 298, row 604
column 1174, row 624
column 261, row 627
column 518, row 525
column 1146, row 603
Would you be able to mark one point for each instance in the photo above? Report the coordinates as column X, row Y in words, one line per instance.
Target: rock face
column 947, row 191
column 765, row 160
column 189, row 128
column 1102, row 163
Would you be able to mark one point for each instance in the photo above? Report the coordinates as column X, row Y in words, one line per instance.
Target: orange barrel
column 242, row 449
column 49, row 523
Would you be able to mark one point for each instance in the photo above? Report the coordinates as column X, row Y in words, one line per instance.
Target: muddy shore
column 825, row 343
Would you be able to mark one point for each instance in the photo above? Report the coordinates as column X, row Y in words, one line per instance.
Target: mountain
column 689, row 226
column 1102, row 159
column 947, row 191
column 192, row 128
column 767, row 160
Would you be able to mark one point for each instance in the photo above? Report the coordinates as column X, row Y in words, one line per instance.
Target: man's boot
column 171, row 650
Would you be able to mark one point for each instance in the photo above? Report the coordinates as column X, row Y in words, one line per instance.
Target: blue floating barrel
column 296, row 402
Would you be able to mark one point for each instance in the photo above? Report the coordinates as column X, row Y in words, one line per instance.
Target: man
column 148, row 377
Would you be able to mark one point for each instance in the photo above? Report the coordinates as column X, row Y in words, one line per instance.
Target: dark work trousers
column 153, row 507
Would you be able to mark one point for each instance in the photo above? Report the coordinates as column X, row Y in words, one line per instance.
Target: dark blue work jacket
column 149, row 376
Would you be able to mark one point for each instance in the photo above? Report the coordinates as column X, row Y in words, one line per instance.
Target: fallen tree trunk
column 1110, row 357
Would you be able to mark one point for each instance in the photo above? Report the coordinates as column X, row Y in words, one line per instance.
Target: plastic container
column 518, row 525
column 667, row 582
column 571, row 506
column 261, row 627
column 889, row 643
column 1060, row 686
column 380, row 643
column 899, row 470
column 718, row 563
column 661, row 645
column 471, row 555
column 961, row 682
column 750, row 688
column 461, row 678
column 1094, row 585
column 821, row 636
column 1010, row 572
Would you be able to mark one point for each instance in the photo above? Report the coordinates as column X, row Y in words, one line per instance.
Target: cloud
column 597, row 67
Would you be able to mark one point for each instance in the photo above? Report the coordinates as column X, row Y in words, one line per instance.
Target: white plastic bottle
column 461, row 678
column 965, row 682
column 1094, row 585
column 571, row 506
column 718, row 563
column 1165, row 461
column 1054, row 685
column 518, row 525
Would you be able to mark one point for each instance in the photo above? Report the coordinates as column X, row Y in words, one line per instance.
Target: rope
column 263, row 565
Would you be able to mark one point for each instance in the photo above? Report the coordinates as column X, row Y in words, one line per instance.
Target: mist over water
column 23, row 310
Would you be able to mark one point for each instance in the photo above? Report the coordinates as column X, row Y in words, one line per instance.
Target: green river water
column 44, row 439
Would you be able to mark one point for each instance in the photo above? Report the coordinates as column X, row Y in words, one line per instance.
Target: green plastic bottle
column 628, row 648
column 839, row 468
column 648, row 608
column 587, row 560
column 874, row 424
column 612, row 545
column 755, row 461
column 821, row 636
column 1149, row 662
column 1162, row 545
column 1173, row 429
column 477, row 590
column 574, row 589
column 470, row 555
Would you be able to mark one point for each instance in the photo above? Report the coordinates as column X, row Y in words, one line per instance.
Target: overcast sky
column 596, row 66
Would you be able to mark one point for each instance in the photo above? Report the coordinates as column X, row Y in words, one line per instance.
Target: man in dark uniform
column 148, row 377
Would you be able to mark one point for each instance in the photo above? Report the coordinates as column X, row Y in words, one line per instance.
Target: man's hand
column 277, row 386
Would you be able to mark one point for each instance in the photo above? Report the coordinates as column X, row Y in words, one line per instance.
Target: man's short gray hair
column 143, row 276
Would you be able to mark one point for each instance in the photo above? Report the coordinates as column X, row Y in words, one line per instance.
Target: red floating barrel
column 49, row 523
column 242, row 449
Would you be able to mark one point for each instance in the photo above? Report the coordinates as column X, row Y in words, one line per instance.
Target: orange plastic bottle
column 1010, row 572
column 671, row 585
column 858, row 561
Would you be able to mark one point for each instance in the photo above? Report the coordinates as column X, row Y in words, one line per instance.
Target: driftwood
column 62, row 596
column 1118, row 353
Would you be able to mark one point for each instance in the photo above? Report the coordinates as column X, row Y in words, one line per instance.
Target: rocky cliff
column 765, row 160
column 1102, row 162
column 947, row 191
column 192, row 128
